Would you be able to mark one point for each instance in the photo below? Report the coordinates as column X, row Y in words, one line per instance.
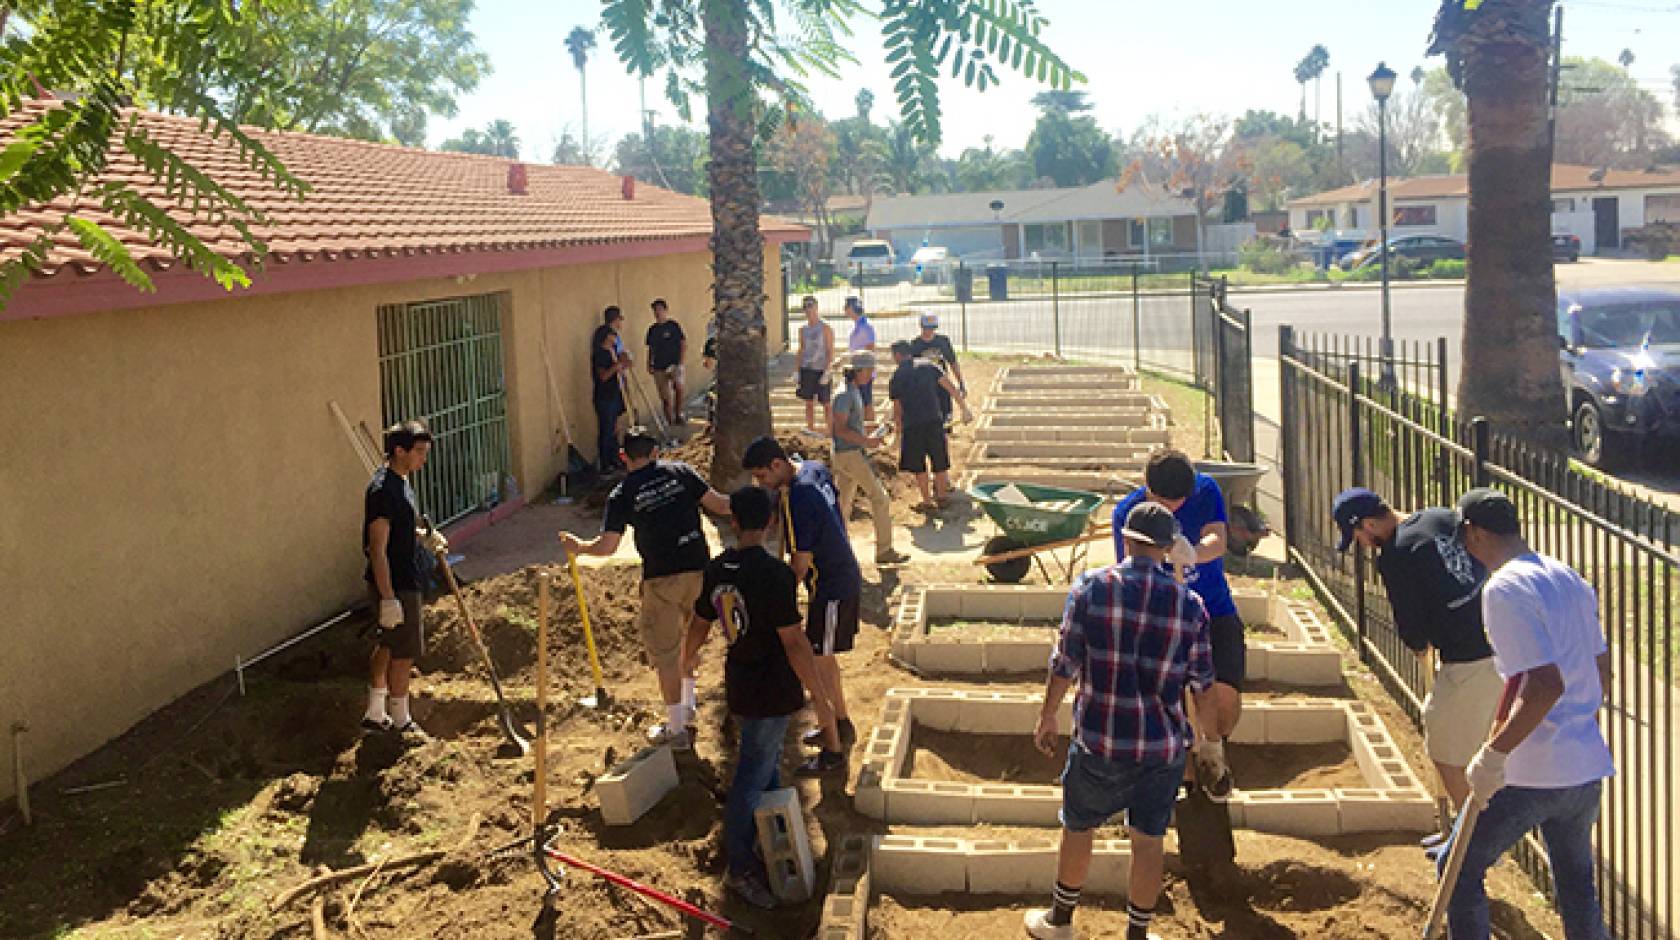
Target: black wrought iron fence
column 1224, row 363
column 1349, row 421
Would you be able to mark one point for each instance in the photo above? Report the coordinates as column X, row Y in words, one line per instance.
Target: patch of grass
column 520, row 618
column 1187, row 404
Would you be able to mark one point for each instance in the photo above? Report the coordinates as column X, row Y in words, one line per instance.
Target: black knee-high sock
column 1137, row 921
column 1064, row 899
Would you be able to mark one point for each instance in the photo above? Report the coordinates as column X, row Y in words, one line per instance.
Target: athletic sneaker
column 823, row 764
column 412, row 733
column 751, row 888
column 891, row 557
column 678, row 740
column 369, row 726
column 1038, row 925
column 848, row 735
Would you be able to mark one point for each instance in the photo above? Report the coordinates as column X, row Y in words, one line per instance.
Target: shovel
column 516, row 745
column 599, row 699
column 1205, row 842
column 1462, row 830
column 577, row 468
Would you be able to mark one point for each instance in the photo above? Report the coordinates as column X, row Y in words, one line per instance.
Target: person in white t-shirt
column 1544, row 765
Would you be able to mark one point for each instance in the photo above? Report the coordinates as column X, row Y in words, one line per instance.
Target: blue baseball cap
column 1353, row 506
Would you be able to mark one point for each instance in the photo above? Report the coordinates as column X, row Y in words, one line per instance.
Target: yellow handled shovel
column 599, row 699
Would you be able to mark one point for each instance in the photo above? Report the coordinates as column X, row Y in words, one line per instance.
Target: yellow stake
column 600, row 697
column 539, row 796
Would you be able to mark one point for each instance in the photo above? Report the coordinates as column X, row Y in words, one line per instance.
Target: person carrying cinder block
column 1434, row 588
column 756, row 598
column 1134, row 639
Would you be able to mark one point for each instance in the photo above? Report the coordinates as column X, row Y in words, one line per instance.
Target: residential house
column 176, row 492
column 1595, row 204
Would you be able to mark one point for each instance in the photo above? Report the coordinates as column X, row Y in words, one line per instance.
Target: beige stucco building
column 175, row 492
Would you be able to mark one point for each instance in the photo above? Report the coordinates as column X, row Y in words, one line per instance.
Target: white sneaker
column 1038, row 925
column 678, row 739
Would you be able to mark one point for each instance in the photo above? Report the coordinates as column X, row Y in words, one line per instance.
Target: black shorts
column 1230, row 652
column 832, row 625
column 812, row 387
column 921, row 448
column 406, row 640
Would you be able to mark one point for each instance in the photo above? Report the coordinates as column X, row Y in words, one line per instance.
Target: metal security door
column 441, row 361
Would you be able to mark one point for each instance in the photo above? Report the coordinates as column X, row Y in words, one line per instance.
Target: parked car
column 1621, row 366
column 930, row 264
column 1423, row 250
column 872, row 259
column 1566, row 247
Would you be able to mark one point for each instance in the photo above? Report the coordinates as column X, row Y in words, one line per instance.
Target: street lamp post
column 1382, row 85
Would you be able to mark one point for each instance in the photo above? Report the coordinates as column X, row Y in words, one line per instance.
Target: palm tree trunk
column 743, row 394
column 1510, row 372
column 583, row 93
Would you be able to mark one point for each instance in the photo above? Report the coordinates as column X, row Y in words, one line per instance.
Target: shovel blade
column 597, row 701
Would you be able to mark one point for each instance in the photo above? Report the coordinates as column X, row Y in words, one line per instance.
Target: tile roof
column 1100, row 200
column 1566, row 178
column 377, row 200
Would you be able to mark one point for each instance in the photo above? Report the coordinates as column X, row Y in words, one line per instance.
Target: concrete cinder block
column 912, row 865
column 1304, row 722
column 941, row 602
column 1111, row 867
column 997, row 713
column 632, row 787
column 1251, row 725
column 963, row 657
column 1019, row 656
column 1253, row 606
column 1303, row 664
column 1038, row 603
column 1369, row 810
column 1257, row 662
column 939, row 709
column 1001, row 804
column 990, row 603
column 786, row 847
column 1308, row 813
column 929, row 803
column 868, row 798
column 1014, row 868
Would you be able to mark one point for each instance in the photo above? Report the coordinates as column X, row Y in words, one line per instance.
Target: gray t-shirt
column 848, row 406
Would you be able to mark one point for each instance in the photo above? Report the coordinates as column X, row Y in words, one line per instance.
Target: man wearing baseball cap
column 931, row 344
column 1545, row 763
column 1434, row 590
column 862, row 339
column 851, row 441
column 1135, row 640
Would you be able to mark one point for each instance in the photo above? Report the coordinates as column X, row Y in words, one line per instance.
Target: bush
column 1446, row 268
column 1264, row 256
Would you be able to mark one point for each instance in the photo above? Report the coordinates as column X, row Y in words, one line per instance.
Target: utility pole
column 1341, row 169
column 1557, row 79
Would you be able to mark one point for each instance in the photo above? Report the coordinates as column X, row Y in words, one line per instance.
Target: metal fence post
column 1356, row 476
column 1443, row 416
column 964, row 276
column 857, row 278
column 1286, row 456
column 1137, row 325
column 1056, row 303
column 1480, row 436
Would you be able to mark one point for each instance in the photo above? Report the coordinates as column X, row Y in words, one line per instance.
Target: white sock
column 399, row 710
column 376, row 705
column 688, row 699
column 676, row 718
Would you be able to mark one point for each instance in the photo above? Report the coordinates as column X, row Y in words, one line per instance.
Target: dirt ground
column 205, row 812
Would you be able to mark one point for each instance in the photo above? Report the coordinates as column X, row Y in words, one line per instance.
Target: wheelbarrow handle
column 1095, row 535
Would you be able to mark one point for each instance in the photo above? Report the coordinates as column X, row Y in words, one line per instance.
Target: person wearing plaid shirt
column 1136, row 640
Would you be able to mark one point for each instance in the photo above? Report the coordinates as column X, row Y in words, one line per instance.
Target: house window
column 1320, row 218
column 1414, row 215
column 1563, row 205
column 1048, row 238
column 1160, row 233
column 1090, row 239
column 1662, row 208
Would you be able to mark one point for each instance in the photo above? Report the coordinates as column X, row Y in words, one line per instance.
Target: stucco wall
column 175, row 493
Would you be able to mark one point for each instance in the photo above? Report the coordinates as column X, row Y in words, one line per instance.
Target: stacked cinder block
column 845, row 913
column 632, row 787
column 920, row 865
column 784, row 844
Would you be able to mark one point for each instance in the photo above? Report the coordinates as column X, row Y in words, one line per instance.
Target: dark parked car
column 1566, row 247
column 1423, row 250
column 1621, row 367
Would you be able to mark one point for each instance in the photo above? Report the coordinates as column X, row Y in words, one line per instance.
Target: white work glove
column 1212, row 771
column 1486, row 774
column 390, row 613
column 1183, row 554
column 434, row 542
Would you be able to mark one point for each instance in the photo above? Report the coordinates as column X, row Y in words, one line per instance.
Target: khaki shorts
column 666, row 379
column 667, row 603
column 1459, row 711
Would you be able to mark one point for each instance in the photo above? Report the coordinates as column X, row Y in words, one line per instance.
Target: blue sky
column 1175, row 59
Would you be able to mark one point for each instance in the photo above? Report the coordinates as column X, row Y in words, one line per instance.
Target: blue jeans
column 606, row 434
column 757, row 771
column 1565, row 819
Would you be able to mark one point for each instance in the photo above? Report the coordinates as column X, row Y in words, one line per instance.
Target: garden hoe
column 516, row 744
column 599, row 699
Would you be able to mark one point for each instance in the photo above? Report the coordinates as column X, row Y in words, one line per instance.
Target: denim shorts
column 1095, row 788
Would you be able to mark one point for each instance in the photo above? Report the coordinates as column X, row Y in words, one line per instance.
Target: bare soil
column 956, row 757
column 981, row 630
column 1293, row 766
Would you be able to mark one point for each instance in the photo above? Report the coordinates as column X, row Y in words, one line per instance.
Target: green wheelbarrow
column 1037, row 519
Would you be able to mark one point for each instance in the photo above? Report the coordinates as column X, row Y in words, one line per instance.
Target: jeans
column 606, row 437
column 1565, row 819
column 757, row 771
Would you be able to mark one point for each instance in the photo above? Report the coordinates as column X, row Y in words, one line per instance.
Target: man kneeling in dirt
column 756, row 597
column 1134, row 639
column 398, row 555
column 662, row 499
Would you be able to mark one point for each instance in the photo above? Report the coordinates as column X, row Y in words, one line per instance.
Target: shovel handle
column 1462, row 831
column 583, row 614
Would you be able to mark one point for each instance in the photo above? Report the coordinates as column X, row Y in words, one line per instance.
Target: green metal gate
column 441, row 361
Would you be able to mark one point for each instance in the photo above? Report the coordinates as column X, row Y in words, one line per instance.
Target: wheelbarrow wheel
column 1007, row 572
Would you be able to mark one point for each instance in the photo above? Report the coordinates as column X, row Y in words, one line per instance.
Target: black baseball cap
column 1487, row 508
column 1152, row 523
column 1353, row 506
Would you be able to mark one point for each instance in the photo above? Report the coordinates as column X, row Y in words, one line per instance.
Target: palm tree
column 900, row 158
column 580, row 42
column 1626, row 58
column 865, row 101
column 738, row 49
column 501, row 139
column 1497, row 53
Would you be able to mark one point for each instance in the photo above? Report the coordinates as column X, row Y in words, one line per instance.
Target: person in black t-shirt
column 607, row 362
column 667, row 348
column 1435, row 590
column 756, row 598
column 392, row 542
column 932, row 345
column 914, row 389
column 662, row 499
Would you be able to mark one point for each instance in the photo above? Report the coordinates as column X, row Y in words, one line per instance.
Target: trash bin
column 965, row 284
column 997, row 281
column 825, row 274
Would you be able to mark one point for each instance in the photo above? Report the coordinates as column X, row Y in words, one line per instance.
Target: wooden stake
column 539, row 795
column 20, row 779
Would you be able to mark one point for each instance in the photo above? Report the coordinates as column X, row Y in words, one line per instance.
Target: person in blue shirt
column 1171, row 480
column 822, row 558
